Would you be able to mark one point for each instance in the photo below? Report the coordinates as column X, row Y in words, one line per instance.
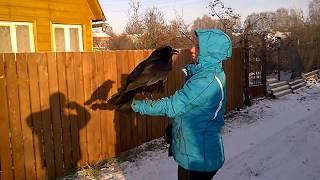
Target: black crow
column 150, row 75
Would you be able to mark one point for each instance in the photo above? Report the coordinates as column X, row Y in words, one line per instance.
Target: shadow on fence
column 58, row 140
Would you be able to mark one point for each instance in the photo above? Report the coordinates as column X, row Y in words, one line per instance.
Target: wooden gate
column 255, row 67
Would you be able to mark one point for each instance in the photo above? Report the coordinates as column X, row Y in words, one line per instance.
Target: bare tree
column 154, row 28
column 226, row 15
column 147, row 29
column 135, row 23
column 314, row 12
column 121, row 42
column 206, row 22
column 178, row 34
column 309, row 38
column 259, row 22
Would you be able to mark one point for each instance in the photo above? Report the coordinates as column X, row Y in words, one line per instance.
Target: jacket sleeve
column 172, row 106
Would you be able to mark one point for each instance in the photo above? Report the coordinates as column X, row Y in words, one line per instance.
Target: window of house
column 67, row 38
column 16, row 37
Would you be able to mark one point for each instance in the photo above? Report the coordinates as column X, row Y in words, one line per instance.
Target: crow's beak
column 175, row 52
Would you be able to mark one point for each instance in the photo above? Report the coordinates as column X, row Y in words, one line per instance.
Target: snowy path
column 291, row 154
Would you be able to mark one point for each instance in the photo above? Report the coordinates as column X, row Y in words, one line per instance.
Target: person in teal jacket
column 197, row 109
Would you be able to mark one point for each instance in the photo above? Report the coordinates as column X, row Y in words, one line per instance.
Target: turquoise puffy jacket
column 197, row 109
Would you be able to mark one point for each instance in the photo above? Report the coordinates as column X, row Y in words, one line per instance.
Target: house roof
column 96, row 10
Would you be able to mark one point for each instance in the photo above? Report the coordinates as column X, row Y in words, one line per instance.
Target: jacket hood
column 214, row 46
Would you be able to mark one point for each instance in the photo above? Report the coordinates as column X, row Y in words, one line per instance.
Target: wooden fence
column 45, row 128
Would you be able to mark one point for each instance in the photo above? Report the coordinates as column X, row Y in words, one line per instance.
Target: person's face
column 194, row 52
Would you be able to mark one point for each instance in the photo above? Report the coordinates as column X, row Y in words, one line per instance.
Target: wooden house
column 47, row 25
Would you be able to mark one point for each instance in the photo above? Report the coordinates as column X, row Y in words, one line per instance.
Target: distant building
column 278, row 35
column 100, row 39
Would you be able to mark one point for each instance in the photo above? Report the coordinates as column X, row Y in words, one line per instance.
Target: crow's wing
column 137, row 71
column 152, row 73
column 140, row 67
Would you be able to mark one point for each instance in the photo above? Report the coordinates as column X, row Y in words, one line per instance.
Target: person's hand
column 72, row 105
column 95, row 106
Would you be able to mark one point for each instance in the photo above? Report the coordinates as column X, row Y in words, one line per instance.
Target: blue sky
column 116, row 11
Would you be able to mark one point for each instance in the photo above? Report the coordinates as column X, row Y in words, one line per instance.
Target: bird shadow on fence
column 123, row 119
column 99, row 97
column 130, row 129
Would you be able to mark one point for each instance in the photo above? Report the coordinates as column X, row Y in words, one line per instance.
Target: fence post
column 264, row 64
column 279, row 48
column 246, row 71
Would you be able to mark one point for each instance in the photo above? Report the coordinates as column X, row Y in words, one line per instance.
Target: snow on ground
column 290, row 154
column 275, row 139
